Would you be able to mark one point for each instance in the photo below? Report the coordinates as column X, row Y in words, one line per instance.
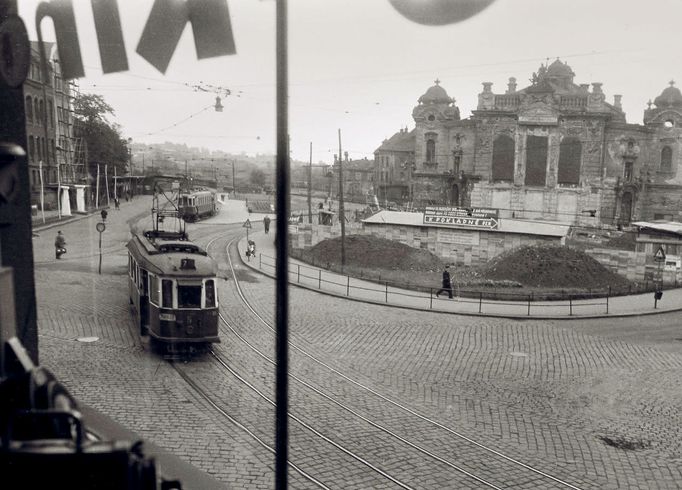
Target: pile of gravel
column 552, row 267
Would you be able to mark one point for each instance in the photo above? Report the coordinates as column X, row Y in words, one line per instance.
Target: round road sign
column 100, row 227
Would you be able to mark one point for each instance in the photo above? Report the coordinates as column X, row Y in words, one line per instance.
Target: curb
column 434, row 310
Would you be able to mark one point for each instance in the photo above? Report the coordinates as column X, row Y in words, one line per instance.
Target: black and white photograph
column 340, row 244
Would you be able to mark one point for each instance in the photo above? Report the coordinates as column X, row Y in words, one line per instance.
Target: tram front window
column 189, row 296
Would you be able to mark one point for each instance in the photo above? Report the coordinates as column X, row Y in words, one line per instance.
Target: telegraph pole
column 342, row 216
column 234, row 182
column 310, row 186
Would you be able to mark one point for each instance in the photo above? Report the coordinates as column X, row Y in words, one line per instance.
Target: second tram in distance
column 197, row 204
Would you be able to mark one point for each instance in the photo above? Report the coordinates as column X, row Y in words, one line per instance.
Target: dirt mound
column 374, row 253
column 551, row 267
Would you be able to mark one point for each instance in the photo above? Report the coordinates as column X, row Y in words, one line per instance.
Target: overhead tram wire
column 177, row 123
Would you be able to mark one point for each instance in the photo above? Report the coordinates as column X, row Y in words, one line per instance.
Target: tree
column 257, row 177
column 103, row 138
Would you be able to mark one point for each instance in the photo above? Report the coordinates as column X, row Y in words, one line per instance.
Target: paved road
column 598, row 400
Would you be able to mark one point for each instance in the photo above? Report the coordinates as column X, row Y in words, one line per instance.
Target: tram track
column 530, row 473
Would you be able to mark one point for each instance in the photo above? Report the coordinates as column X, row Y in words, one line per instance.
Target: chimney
column 487, row 87
column 617, row 101
column 511, row 86
column 596, row 87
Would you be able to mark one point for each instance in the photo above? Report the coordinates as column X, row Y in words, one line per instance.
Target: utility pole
column 310, row 186
column 342, row 216
column 234, row 182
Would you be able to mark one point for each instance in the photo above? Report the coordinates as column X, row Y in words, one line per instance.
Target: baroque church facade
column 554, row 150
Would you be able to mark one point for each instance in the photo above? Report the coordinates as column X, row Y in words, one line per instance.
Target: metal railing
column 463, row 301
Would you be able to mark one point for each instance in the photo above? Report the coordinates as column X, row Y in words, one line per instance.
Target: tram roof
column 172, row 257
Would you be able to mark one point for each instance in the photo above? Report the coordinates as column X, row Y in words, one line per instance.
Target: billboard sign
column 479, row 218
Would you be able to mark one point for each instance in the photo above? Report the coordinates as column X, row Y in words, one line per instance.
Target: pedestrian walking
column 266, row 224
column 447, row 284
column 250, row 250
column 117, row 203
column 59, row 245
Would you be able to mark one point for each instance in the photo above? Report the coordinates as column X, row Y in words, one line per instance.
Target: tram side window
column 167, row 293
column 210, row 294
column 144, row 284
column 189, row 296
column 153, row 289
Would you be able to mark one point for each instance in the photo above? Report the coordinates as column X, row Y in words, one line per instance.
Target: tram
column 173, row 288
column 197, row 204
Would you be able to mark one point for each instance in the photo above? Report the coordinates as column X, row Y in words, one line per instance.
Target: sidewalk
column 327, row 282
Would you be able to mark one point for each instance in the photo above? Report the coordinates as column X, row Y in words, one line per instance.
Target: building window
column 666, row 159
column 31, row 147
column 50, row 109
column 627, row 171
column 430, row 150
column 39, row 149
column 457, row 161
column 503, row 159
column 29, row 109
column 570, row 153
column 42, row 110
column 536, row 160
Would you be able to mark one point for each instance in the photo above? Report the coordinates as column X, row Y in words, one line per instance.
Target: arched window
column 39, row 149
column 31, row 147
column 503, row 159
column 50, row 111
column 430, row 150
column 570, row 153
column 666, row 159
column 42, row 110
column 29, row 109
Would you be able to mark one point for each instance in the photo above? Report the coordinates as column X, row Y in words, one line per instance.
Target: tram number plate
column 169, row 317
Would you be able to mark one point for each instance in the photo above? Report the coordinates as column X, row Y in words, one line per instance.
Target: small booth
column 327, row 218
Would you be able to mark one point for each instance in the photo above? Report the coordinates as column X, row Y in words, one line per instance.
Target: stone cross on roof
column 671, row 82
column 436, row 81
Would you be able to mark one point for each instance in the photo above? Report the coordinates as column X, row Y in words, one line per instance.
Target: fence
column 471, row 302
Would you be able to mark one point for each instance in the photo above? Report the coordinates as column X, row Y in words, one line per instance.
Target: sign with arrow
column 659, row 256
column 481, row 218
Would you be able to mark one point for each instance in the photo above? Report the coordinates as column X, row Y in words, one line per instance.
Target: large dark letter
column 210, row 21
column 61, row 12
column 112, row 50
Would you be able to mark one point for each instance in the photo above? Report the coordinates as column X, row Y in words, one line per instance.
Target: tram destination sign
column 480, row 218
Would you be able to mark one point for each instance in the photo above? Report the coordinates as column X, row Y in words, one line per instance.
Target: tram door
column 144, row 300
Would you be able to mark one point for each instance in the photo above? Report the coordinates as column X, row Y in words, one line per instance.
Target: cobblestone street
column 570, row 398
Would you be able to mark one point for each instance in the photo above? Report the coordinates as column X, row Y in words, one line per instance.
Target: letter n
column 61, row 12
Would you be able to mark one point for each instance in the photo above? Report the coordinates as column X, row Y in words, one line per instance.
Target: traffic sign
column 100, row 227
column 659, row 256
column 247, row 224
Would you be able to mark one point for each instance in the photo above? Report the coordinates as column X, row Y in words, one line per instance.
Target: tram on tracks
column 172, row 287
column 197, row 204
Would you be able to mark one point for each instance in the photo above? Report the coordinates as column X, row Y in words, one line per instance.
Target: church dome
column 435, row 95
column 671, row 96
column 559, row 69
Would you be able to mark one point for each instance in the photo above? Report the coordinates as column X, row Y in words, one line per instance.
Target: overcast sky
column 359, row 66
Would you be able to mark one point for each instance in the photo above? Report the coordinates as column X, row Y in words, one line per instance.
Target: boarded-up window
column 570, row 152
column 666, row 159
column 536, row 160
column 503, row 159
